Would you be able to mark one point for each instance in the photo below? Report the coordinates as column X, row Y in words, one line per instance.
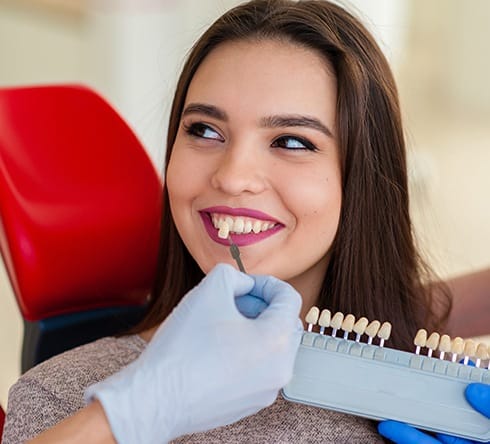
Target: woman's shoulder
column 288, row 422
column 86, row 364
column 53, row 390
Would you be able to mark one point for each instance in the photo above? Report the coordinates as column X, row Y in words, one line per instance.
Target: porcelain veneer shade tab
column 360, row 327
column 444, row 346
column 312, row 317
column 420, row 340
column 324, row 320
column 348, row 325
column 384, row 333
column 469, row 350
column 432, row 343
column 372, row 330
column 336, row 322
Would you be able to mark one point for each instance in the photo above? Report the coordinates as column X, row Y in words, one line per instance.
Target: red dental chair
column 80, row 205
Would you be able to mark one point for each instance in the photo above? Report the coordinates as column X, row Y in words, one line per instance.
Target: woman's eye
column 293, row 143
column 203, row 131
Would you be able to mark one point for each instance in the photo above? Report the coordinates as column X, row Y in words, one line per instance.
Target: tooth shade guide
column 324, row 320
column 336, row 322
column 348, row 325
column 372, row 330
column 312, row 317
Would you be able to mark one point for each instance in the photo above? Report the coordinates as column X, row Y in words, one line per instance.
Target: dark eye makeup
column 204, row 131
column 289, row 142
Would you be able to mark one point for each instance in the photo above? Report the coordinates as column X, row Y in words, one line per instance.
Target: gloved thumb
column 283, row 300
column 478, row 395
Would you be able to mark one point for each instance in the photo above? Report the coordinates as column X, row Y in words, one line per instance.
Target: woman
column 286, row 124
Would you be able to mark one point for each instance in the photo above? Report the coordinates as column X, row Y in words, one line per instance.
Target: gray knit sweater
column 53, row 390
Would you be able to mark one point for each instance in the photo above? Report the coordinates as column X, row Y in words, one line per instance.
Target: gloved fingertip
column 250, row 306
column 446, row 439
column 401, row 433
column 478, row 395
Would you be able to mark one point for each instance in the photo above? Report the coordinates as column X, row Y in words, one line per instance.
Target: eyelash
column 197, row 130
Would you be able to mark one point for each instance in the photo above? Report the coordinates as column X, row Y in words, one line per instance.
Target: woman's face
column 257, row 146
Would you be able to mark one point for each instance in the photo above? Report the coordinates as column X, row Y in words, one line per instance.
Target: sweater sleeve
column 31, row 410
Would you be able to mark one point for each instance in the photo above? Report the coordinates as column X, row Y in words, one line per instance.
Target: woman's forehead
column 265, row 77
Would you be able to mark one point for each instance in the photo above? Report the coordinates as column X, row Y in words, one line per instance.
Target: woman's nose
column 239, row 170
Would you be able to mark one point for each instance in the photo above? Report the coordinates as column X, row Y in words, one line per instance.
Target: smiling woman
column 269, row 158
column 285, row 125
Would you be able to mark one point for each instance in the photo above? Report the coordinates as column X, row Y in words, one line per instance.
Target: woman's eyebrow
column 208, row 110
column 282, row 121
column 276, row 121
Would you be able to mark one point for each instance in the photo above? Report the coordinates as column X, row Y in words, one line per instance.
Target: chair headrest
column 80, row 202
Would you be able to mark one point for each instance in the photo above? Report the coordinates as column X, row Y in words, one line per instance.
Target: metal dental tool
column 235, row 253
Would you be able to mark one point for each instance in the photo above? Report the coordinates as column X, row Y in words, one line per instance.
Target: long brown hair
column 374, row 269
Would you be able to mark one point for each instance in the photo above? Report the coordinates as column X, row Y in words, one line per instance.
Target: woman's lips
column 241, row 239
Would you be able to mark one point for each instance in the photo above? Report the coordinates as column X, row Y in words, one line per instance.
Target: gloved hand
column 478, row 395
column 207, row 365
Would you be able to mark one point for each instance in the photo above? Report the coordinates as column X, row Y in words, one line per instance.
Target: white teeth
column 239, row 225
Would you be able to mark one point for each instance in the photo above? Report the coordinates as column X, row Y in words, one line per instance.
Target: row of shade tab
column 446, row 347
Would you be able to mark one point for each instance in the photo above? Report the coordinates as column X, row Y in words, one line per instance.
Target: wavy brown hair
column 374, row 269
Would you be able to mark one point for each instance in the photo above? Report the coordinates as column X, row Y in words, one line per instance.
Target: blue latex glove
column 478, row 395
column 250, row 306
column 207, row 365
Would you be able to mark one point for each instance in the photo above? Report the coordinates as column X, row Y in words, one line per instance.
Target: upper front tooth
column 229, row 221
column 247, row 227
column 257, row 226
column 238, row 225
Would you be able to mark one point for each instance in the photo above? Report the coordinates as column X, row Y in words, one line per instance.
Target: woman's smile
column 246, row 226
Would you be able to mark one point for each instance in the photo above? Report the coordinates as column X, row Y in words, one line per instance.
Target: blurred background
column 131, row 51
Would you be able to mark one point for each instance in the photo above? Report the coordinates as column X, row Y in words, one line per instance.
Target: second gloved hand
column 207, row 365
column 478, row 395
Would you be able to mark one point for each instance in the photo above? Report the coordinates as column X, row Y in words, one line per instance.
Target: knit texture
column 53, row 390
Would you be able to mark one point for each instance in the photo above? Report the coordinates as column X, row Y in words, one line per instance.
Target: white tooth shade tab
column 324, row 320
column 348, row 325
column 444, row 346
column 312, row 317
column 432, row 343
column 457, row 348
column 360, row 327
column 223, row 229
column 420, row 340
column 372, row 330
column 325, row 317
column 384, row 333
